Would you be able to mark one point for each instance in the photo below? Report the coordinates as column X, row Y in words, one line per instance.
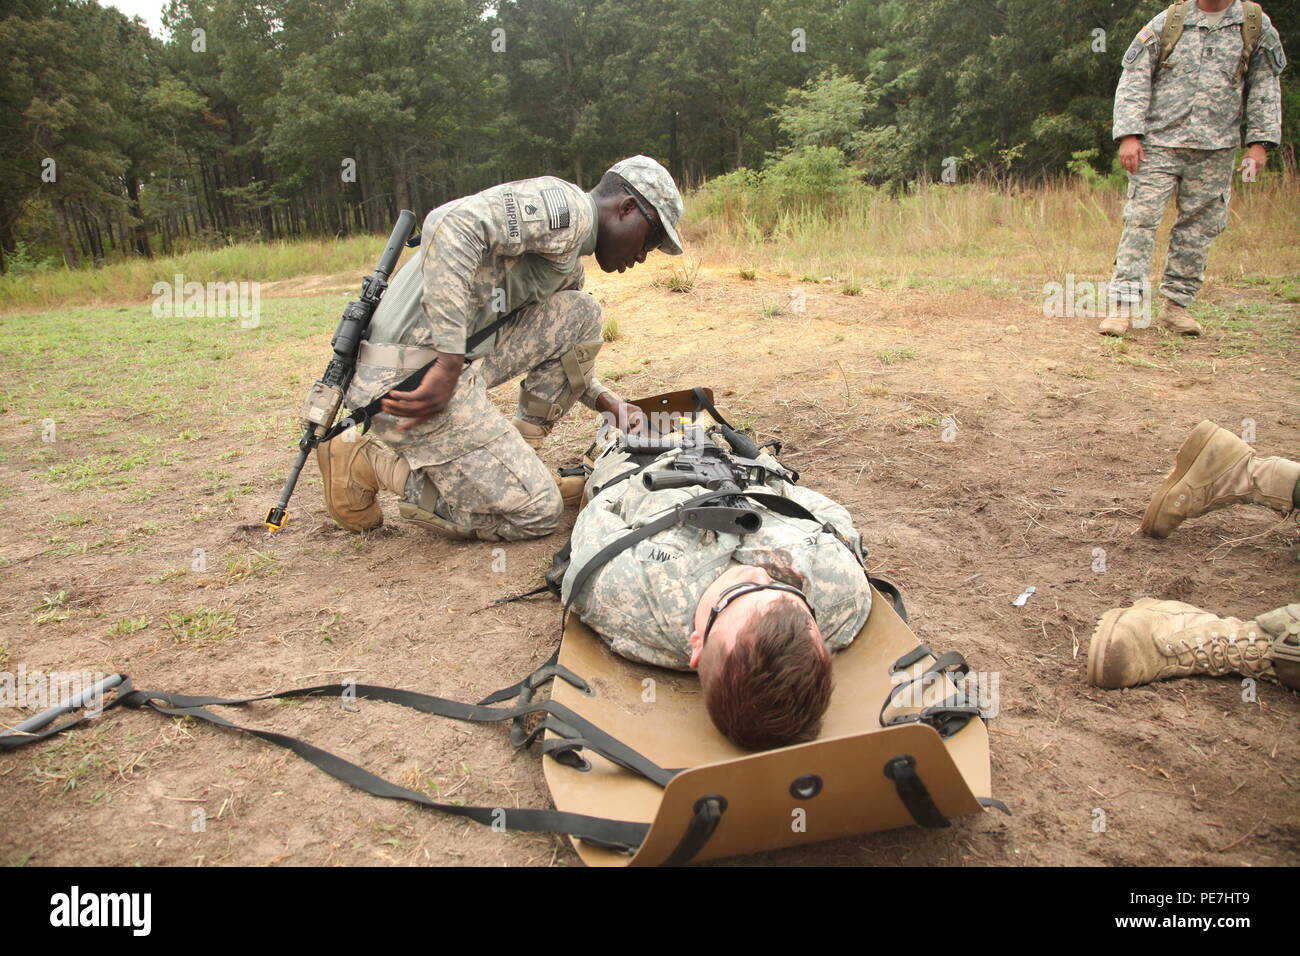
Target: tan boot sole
column 1192, row 447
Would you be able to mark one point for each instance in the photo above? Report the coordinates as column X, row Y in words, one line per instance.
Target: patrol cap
column 656, row 186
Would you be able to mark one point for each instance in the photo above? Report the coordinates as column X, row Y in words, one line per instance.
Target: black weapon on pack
column 322, row 405
column 703, row 463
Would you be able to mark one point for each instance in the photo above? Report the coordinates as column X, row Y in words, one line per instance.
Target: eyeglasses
column 734, row 591
column 655, row 236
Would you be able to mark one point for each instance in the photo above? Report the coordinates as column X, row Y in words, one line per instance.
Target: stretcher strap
column 615, row 834
column 708, row 814
column 948, row 716
column 912, row 791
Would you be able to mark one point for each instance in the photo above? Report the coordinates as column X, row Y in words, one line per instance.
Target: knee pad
column 578, row 363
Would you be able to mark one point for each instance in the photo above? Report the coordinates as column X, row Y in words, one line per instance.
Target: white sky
column 148, row 10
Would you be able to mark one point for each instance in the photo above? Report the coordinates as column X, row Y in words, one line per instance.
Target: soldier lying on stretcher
column 757, row 615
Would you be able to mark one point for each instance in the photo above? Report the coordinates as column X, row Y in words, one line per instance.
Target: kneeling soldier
column 495, row 292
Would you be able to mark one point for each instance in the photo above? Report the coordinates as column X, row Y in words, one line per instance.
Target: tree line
column 287, row 118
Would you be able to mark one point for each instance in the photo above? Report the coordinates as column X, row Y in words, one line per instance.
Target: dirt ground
column 1058, row 438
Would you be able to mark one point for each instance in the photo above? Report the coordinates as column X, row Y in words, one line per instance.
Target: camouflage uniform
column 643, row 601
column 1189, row 115
column 514, row 248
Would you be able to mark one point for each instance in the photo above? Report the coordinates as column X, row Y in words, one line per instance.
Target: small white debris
column 1024, row 596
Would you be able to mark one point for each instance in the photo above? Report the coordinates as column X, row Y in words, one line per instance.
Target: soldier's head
column 637, row 208
column 764, row 668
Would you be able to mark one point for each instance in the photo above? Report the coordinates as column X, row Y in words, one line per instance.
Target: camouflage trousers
column 1203, row 180
column 469, row 464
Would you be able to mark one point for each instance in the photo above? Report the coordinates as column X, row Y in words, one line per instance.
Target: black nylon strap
column 611, row 833
column 616, row 833
column 630, row 473
column 777, row 503
column 912, row 791
column 635, row 536
column 360, row 417
column 708, row 814
column 942, row 663
column 995, row 804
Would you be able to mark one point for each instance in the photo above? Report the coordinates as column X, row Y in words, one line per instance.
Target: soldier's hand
column 1131, row 153
column 1252, row 163
column 621, row 415
column 633, row 418
column 431, row 398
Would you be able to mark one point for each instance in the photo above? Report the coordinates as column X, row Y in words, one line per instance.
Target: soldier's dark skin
column 624, row 236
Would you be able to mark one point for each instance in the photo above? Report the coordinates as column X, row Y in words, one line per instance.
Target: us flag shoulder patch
column 557, row 208
column 1145, row 35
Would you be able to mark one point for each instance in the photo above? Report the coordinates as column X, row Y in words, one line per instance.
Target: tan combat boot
column 1115, row 325
column 1156, row 640
column 352, row 473
column 1176, row 318
column 1214, row 468
column 570, row 486
column 535, row 435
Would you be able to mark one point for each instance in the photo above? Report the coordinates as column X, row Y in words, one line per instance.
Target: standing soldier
column 495, row 293
column 1187, row 78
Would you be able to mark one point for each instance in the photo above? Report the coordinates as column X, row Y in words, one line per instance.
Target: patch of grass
column 609, row 331
column 875, row 391
column 166, row 575
column 203, row 625
column 51, row 608
column 100, row 470
column 894, row 356
column 4, row 655
column 250, row 565
column 1284, row 287
column 916, row 422
column 615, row 375
column 749, row 275
column 74, row 520
column 681, row 279
column 68, row 763
column 772, row 309
column 128, row 625
column 851, row 288
column 1083, row 371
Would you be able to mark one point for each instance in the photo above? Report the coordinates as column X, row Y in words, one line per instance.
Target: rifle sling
column 360, row 417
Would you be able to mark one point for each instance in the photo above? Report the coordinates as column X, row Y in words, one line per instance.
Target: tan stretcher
column 836, row 786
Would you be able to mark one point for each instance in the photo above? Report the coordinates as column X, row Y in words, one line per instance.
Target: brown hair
column 775, row 685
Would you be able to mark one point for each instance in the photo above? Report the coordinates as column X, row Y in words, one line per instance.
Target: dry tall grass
column 980, row 231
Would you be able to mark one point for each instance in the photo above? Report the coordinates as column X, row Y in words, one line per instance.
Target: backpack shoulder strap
column 1173, row 29
column 1251, row 27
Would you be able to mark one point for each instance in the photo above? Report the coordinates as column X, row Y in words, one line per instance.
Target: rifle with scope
column 703, row 463
column 322, row 405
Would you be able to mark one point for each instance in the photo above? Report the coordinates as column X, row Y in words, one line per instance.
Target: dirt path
column 1058, row 438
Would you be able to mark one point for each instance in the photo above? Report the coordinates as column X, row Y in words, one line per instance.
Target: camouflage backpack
column 1251, row 26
